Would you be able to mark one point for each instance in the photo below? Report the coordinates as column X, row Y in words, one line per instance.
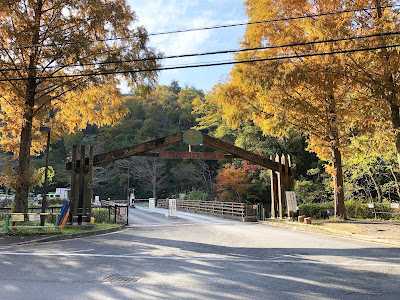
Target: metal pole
column 44, row 200
column 127, row 215
column 127, row 193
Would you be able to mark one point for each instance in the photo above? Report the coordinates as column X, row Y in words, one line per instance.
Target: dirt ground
column 376, row 231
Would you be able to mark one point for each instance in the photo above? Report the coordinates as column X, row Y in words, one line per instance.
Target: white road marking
column 222, row 259
column 84, row 250
column 175, row 225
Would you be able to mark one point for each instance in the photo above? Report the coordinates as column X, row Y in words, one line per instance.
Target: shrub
column 354, row 210
column 197, row 195
column 54, row 202
column 381, row 207
column 358, row 210
column 317, row 210
column 100, row 215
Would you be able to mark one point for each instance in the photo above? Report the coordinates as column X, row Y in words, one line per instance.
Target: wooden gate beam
column 239, row 152
column 134, row 150
column 142, row 149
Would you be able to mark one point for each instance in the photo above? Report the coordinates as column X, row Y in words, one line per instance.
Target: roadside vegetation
column 51, row 231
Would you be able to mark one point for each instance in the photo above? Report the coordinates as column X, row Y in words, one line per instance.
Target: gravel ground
column 375, row 231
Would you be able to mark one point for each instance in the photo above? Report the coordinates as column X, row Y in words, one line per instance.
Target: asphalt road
column 200, row 257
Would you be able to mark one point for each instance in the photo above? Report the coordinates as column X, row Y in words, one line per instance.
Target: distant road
column 200, row 257
column 141, row 216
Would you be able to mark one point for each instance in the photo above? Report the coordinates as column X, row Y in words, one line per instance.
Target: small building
column 64, row 193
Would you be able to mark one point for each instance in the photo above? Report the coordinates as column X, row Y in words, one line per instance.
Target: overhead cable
column 253, row 60
column 203, row 28
column 210, row 53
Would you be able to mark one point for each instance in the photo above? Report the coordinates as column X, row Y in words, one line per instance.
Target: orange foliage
column 231, row 183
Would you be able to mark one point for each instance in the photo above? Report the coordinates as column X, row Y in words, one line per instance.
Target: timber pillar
column 81, row 186
column 282, row 180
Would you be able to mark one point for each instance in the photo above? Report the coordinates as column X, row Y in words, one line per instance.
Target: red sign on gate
column 191, row 155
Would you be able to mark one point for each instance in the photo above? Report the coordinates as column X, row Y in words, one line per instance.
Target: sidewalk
column 383, row 232
column 22, row 240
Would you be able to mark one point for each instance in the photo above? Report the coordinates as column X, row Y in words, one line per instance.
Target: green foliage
column 371, row 171
column 317, row 210
column 354, row 210
column 100, row 215
column 197, row 195
column 308, row 192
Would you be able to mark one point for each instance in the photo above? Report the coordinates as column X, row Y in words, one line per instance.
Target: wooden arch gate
column 281, row 169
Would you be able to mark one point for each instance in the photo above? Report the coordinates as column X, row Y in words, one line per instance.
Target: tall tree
column 379, row 70
column 52, row 54
column 232, row 183
column 313, row 94
column 151, row 172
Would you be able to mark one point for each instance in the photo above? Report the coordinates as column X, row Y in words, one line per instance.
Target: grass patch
column 24, row 232
column 98, row 226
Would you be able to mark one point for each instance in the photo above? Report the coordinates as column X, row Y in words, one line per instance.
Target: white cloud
column 170, row 15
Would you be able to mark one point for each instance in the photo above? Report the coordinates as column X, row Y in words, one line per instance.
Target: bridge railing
column 214, row 207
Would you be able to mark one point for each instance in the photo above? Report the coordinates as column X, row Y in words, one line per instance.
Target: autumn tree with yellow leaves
column 308, row 76
column 58, row 65
column 378, row 70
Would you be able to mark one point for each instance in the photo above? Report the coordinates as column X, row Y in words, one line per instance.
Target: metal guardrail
column 215, row 207
column 394, row 206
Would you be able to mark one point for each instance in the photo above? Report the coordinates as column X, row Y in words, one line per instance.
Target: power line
column 275, row 20
column 212, row 52
column 204, row 28
column 207, row 64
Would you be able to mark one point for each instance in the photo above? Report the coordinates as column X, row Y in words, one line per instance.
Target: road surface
column 200, row 257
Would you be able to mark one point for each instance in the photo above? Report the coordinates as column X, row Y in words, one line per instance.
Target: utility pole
column 44, row 199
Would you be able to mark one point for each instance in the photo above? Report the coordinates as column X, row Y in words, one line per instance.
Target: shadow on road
column 166, row 268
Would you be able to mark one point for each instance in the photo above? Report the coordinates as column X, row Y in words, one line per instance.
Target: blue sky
column 169, row 15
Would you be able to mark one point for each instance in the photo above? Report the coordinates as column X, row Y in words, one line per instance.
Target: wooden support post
column 90, row 184
column 73, row 199
column 273, row 190
column 292, row 171
column 285, row 185
column 279, row 186
column 285, row 162
column 81, row 184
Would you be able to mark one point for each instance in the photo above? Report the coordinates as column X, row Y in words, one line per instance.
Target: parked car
column 38, row 197
column 31, row 197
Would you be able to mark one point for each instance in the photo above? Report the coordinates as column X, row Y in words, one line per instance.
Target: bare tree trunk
column 389, row 93
column 22, row 187
column 377, row 187
column 395, row 118
column 338, row 183
column 395, row 180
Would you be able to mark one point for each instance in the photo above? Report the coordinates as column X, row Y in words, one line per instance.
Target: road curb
column 60, row 237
